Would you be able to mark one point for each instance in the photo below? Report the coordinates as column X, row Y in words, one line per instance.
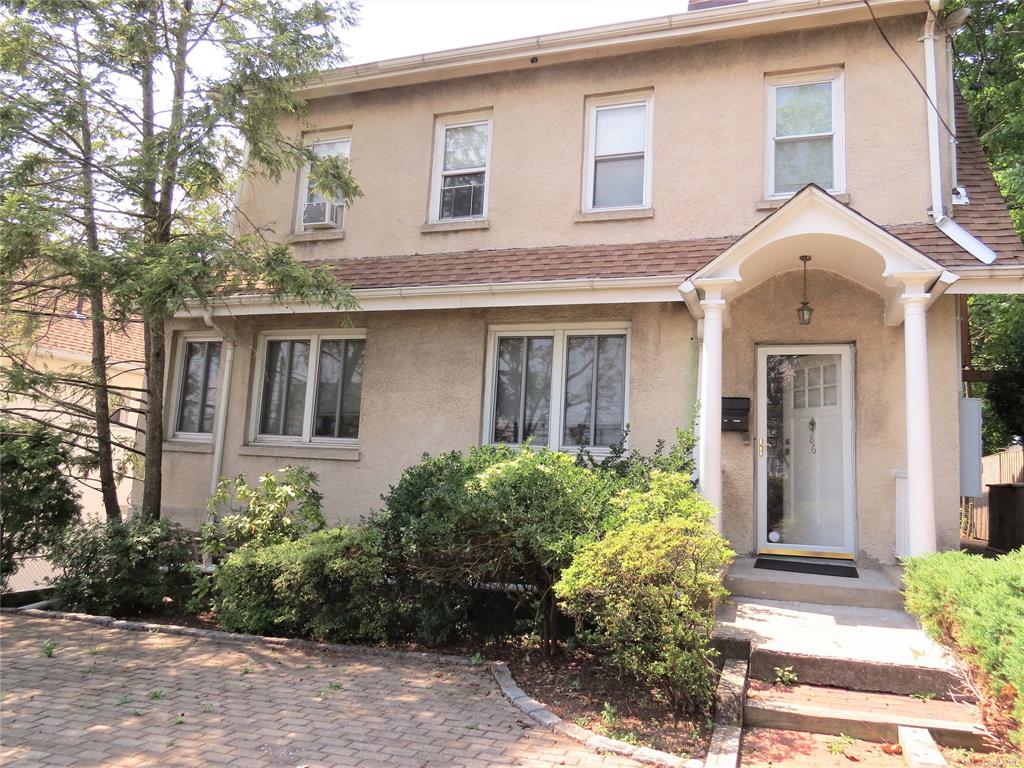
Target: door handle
column 760, row 446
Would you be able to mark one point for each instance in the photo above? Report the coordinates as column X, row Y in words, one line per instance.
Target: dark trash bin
column 1006, row 516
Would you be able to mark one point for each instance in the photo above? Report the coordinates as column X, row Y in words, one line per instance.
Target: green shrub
column 505, row 518
column 635, row 468
column 330, row 585
column 976, row 605
column 39, row 502
column 646, row 593
column 273, row 511
column 123, row 569
column 667, row 494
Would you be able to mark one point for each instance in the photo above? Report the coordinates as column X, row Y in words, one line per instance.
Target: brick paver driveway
column 116, row 698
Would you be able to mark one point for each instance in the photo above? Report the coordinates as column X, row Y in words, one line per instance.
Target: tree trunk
column 152, row 485
column 101, row 401
column 97, row 310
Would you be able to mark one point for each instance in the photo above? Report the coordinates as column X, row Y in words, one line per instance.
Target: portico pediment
column 838, row 239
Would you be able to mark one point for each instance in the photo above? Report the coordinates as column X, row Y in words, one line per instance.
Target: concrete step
column 868, row 716
column 875, row 588
column 865, row 649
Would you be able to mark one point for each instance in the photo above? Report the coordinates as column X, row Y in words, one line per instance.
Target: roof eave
column 768, row 16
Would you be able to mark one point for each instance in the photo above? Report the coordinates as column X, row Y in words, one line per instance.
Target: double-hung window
column 199, row 364
column 461, row 169
column 311, row 387
column 564, row 387
column 805, row 133
column 618, row 170
column 315, row 210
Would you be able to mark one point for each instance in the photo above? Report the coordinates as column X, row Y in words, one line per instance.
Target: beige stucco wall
column 847, row 313
column 423, row 391
column 708, row 143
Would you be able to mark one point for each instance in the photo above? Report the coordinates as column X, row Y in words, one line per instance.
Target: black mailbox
column 735, row 414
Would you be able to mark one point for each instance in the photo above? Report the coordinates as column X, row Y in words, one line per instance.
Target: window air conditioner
column 322, row 215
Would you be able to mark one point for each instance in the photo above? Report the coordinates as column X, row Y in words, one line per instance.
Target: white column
column 920, row 486
column 711, row 407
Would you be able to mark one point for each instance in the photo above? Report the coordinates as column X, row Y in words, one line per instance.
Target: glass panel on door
column 805, row 451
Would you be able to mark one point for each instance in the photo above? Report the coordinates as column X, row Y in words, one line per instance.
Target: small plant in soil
column 476, row 659
column 609, row 714
column 48, row 648
column 785, row 676
column 156, row 695
column 838, row 745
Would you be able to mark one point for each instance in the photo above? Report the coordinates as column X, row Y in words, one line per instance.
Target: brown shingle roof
column 515, row 265
column 986, row 217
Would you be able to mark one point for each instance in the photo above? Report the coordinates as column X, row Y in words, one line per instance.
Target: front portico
column 830, row 389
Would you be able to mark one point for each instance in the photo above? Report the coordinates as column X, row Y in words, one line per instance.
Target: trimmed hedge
column 123, row 569
column 330, row 585
column 976, row 605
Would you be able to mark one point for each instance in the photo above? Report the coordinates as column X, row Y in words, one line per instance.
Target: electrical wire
column 903, row 61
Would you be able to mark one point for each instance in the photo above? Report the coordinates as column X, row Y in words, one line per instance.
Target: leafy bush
column 329, row 585
column 646, row 592
column 976, row 605
column 635, row 467
column 123, row 569
column 667, row 494
column 496, row 516
column 274, row 511
column 39, row 502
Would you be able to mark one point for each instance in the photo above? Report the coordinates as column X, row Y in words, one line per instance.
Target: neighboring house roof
column 71, row 334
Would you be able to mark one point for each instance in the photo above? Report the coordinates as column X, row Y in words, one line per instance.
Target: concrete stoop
column 874, row 588
column 865, row 649
column 867, row 716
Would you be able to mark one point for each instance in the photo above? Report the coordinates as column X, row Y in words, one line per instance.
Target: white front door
column 805, row 469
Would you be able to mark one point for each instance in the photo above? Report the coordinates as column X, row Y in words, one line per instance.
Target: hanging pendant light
column 805, row 310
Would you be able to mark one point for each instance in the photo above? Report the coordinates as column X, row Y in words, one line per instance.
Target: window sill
column 774, row 203
column 455, row 226
column 623, row 214
column 301, row 451
column 317, row 235
column 181, row 445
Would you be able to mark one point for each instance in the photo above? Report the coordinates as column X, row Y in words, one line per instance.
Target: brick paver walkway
column 115, row 698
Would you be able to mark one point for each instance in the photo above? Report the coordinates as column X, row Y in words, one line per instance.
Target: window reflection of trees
column 594, row 405
column 523, row 389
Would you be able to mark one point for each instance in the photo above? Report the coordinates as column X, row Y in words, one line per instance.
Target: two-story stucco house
column 754, row 207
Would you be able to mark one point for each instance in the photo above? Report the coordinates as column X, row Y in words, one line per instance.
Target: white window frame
column 442, row 124
column 178, row 391
column 303, row 191
column 594, row 105
column 833, row 75
column 314, row 337
column 559, row 333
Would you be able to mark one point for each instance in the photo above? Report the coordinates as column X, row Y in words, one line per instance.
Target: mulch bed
column 581, row 689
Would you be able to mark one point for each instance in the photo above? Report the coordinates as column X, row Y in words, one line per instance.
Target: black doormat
column 803, row 566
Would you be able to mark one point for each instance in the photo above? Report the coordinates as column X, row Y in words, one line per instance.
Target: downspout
column 220, row 426
column 950, row 228
column 934, row 159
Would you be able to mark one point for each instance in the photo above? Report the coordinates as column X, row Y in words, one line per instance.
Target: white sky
column 392, row 28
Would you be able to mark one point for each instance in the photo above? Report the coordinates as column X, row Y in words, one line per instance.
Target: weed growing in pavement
column 785, row 676
column 48, row 648
column 156, row 695
column 837, row 745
